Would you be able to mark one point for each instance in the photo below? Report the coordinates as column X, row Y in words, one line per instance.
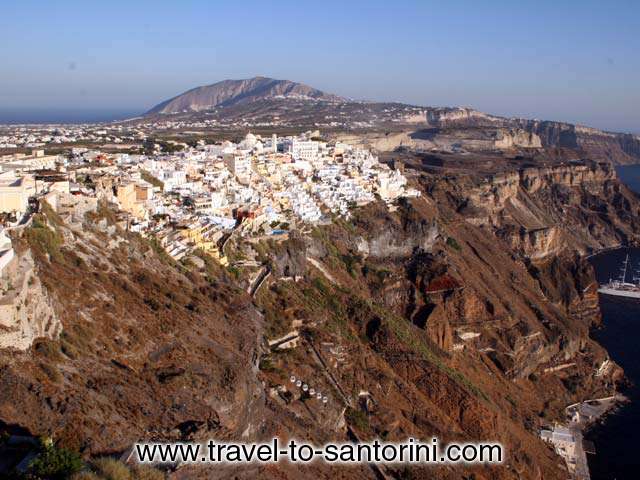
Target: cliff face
column 452, row 313
column 546, row 211
column 444, row 317
column 439, row 117
column 26, row 311
column 146, row 351
column 619, row 148
column 546, row 219
column 517, row 138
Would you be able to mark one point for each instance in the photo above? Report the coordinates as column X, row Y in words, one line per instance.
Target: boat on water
column 620, row 287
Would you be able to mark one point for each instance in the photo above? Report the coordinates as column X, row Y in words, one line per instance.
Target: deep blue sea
column 630, row 174
column 617, row 440
column 43, row 115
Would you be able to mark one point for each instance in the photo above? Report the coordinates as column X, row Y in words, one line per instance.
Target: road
column 259, row 280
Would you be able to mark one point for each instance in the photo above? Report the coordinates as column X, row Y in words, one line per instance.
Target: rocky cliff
column 597, row 144
column 463, row 314
column 26, row 310
column 147, row 349
column 545, row 211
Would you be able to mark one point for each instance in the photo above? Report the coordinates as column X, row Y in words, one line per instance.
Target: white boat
column 620, row 287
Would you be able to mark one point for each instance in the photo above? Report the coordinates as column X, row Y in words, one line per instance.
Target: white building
column 391, row 184
column 239, row 166
column 304, row 149
column 564, row 443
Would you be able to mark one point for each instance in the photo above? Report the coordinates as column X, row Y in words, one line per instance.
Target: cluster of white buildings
column 284, row 179
column 38, row 136
column 262, row 186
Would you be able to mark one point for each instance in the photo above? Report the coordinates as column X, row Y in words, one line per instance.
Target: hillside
column 234, row 92
column 440, row 318
column 145, row 349
column 265, row 104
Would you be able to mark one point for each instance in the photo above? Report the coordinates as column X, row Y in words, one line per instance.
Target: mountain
column 235, row 92
column 284, row 104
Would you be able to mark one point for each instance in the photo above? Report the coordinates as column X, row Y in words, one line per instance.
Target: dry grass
column 111, row 469
column 107, row 468
column 85, row 476
column 52, row 372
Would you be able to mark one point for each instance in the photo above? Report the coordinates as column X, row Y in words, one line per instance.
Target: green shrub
column 266, row 365
column 155, row 245
column 147, row 177
column 453, row 243
column 43, row 239
column 79, row 335
column 55, row 463
column 48, row 349
column 350, row 262
column 233, row 271
column 68, row 348
column 320, row 285
column 50, row 214
column 152, row 303
column 357, row 418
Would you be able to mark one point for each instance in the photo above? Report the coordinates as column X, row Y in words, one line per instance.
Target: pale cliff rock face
column 494, row 193
column 426, row 140
column 386, row 142
column 449, row 116
column 509, row 203
column 455, row 129
column 390, row 244
column 416, row 118
column 538, row 244
column 518, row 138
column 591, row 177
column 620, row 148
column 26, row 310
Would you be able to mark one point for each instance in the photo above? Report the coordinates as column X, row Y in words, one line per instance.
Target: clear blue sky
column 570, row 60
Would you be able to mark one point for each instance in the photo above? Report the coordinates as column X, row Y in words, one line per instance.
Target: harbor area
column 567, row 439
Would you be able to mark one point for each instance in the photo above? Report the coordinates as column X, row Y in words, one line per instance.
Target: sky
column 568, row 60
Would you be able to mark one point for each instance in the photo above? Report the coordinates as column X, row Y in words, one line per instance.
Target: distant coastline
column 16, row 116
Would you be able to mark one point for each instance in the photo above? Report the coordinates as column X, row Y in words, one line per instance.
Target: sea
column 617, row 439
column 59, row 115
